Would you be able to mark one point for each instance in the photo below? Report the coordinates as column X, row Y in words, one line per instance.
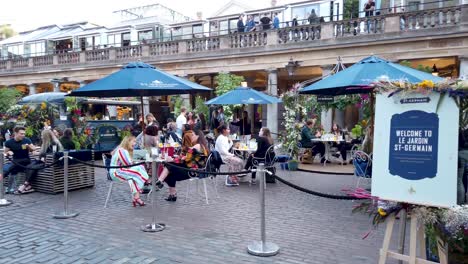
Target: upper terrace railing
column 405, row 23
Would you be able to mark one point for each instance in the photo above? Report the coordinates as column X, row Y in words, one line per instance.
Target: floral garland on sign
column 405, row 88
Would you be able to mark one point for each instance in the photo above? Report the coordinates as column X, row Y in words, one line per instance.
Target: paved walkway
column 307, row 228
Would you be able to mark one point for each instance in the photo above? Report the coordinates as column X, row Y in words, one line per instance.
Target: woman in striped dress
column 135, row 176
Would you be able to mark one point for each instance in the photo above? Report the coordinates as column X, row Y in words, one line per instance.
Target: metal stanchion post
column 401, row 239
column 3, row 201
column 262, row 248
column 153, row 227
column 65, row 214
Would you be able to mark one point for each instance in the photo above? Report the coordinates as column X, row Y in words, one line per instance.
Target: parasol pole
column 143, row 119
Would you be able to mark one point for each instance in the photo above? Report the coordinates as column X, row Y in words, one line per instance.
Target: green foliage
column 351, row 9
column 356, row 131
column 7, row 31
column 8, row 98
column 178, row 101
column 124, row 133
column 419, row 67
column 201, row 107
column 340, row 102
column 227, row 82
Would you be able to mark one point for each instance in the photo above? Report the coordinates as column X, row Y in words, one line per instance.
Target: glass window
column 176, row 33
column 145, row 35
column 223, row 27
column 198, row 30
column 97, row 42
column 187, row 32
column 233, row 25
column 303, row 12
column 114, row 40
column 214, row 28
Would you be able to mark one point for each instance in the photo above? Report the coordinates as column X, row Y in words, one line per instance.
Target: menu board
column 416, row 149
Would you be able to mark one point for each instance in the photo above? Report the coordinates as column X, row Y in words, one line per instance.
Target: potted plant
column 293, row 164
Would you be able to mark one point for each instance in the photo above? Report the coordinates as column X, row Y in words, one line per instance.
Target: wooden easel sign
column 415, row 160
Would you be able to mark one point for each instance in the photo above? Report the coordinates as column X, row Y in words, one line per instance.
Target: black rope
column 28, row 167
column 108, row 167
column 205, row 172
column 324, row 195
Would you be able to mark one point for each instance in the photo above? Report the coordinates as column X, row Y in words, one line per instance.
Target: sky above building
column 30, row 14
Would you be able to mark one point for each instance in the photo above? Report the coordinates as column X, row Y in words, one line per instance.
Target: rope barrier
column 324, row 195
column 27, row 167
column 205, row 172
column 108, row 167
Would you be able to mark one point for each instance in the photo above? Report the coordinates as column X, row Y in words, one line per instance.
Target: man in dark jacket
column 307, row 136
column 240, row 24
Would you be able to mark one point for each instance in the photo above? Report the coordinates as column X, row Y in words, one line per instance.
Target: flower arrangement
column 385, row 85
column 450, row 224
column 294, row 109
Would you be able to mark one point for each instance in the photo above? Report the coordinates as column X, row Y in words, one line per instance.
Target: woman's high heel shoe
column 138, row 201
column 171, row 198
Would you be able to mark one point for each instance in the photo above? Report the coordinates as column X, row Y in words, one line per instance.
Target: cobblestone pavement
column 308, row 229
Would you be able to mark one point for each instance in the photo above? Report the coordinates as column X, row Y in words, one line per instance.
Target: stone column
column 56, row 86
column 463, row 68
column 185, row 97
column 146, row 105
column 272, row 109
column 327, row 116
column 32, row 89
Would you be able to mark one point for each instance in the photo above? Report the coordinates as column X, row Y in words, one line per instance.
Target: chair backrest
column 269, row 159
column 106, row 161
column 216, row 159
column 362, row 164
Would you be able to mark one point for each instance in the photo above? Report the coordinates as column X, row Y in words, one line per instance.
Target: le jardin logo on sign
column 325, row 98
column 413, row 145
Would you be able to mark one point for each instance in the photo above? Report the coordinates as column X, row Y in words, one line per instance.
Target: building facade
column 435, row 38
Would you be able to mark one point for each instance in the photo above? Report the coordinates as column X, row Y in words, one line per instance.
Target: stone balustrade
column 130, row 52
column 382, row 27
column 203, row 44
column 164, row 48
column 68, row 58
column 430, row 18
column 358, row 26
column 249, row 39
column 43, row 60
column 97, row 55
column 300, row 33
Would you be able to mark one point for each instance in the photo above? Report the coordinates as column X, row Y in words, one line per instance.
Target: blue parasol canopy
column 360, row 77
column 139, row 79
column 243, row 95
column 52, row 97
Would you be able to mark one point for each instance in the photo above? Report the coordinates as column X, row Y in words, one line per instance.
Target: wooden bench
column 50, row 180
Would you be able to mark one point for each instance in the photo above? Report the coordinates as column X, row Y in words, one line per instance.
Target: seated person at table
column 171, row 135
column 193, row 157
column 19, row 147
column 67, row 139
column 151, row 139
column 223, row 145
column 343, row 146
column 49, row 140
column 264, row 142
column 135, row 176
column 307, row 136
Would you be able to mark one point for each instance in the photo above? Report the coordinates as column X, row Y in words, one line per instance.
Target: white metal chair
column 199, row 176
column 106, row 162
column 362, row 166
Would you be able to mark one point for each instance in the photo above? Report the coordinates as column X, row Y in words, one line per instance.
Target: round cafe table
column 246, row 152
column 328, row 144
